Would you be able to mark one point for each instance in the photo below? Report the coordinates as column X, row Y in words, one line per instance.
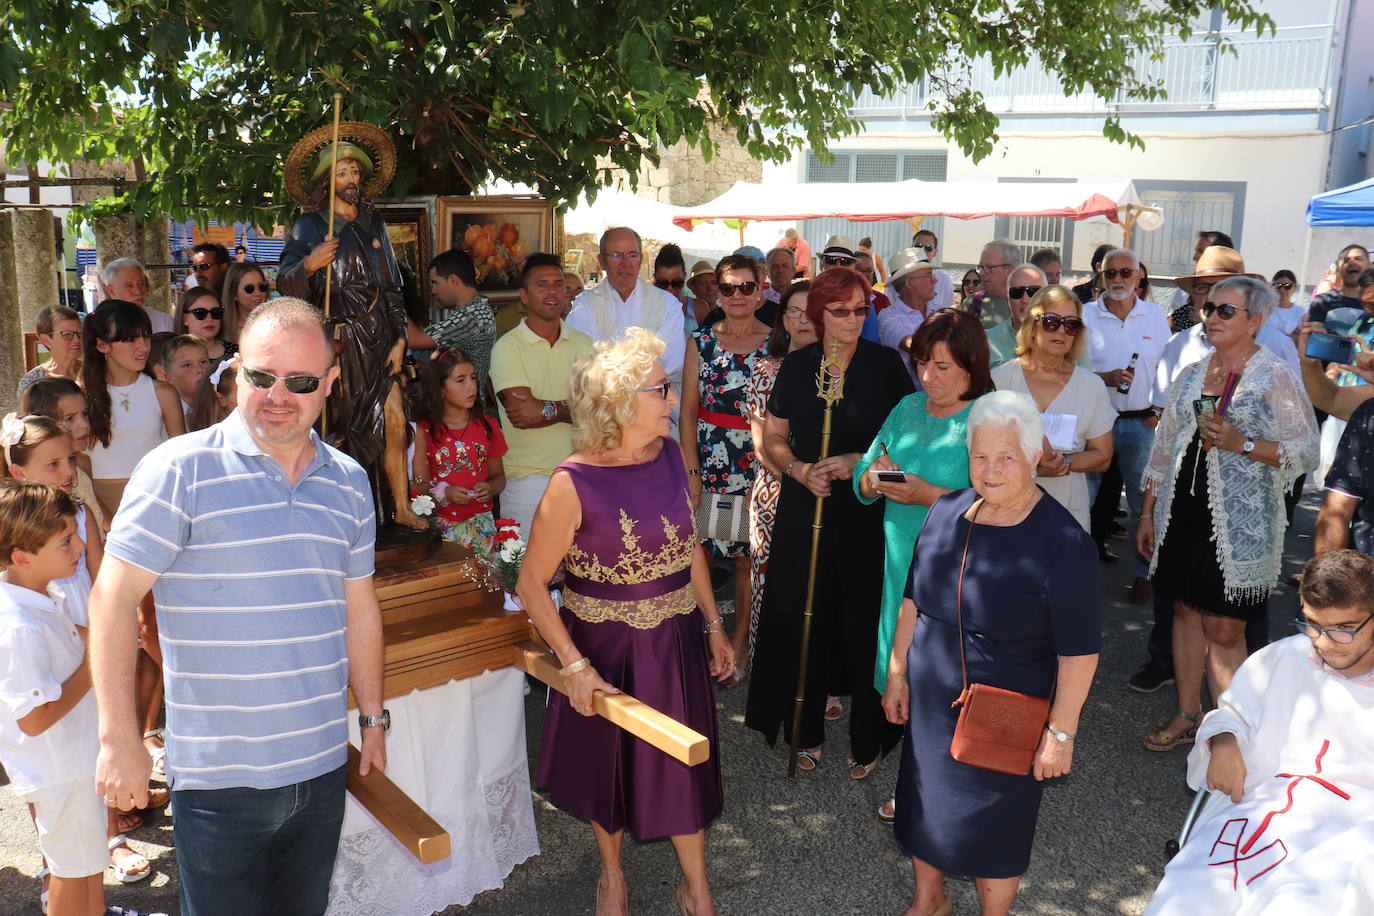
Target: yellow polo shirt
column 523, row 359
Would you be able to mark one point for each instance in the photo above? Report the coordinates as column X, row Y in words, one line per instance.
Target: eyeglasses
column 1124, row 273
column 793, row 312
column 618, row 256
column 1023, row 292
column 926, row 248
column 67, row 336
column 1335, row 634
column 836, row 260
column 201, row 314
column 1052, row 323
column 296, row 384
column 862, row 312
column 250, row 288
column 989, row 268
column 1283, row 287
column 1227, row 312
column 669, row 284
column 746, row 288
column 662, row 390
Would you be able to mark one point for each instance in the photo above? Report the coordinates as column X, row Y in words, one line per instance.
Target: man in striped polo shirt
column 256, row 539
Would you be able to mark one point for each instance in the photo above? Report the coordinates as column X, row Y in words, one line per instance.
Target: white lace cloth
column 459, row 751
column 1245, row 496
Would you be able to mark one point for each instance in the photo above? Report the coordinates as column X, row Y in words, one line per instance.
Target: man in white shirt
column 626, row 300
column 1122, row 326
column 913, row 284
column 944, row 285
column 125, row 278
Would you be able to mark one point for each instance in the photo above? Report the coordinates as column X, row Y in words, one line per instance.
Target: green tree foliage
column 212, row 93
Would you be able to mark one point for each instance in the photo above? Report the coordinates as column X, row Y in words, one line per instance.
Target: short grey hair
column 1122, row 253
column 1009, row 253
column 1009, row 408
column 107, row 273
column 1043, row 279
column 639, row 242
column 1260, row 297
column 288, row 313
column 787, row 251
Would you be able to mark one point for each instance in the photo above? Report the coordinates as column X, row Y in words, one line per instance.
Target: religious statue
column 352, row 275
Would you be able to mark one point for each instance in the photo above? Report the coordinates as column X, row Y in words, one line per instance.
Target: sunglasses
column 746, row 288
column 1053, row 323
column 1283, row 287
column 251, row 288
column 836, row 260
column 973, row 282
column 1124, row 273
column 296, row 384
column 1227, row 312
column 670, row 284
column 200, row 268
column 1023, row 292
column 926, row 248
column 1335, row 634
column 662, row 390
column 862, row 312
column 201, row 314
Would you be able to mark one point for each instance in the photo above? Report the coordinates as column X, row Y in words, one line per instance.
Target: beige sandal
column 1161, row 740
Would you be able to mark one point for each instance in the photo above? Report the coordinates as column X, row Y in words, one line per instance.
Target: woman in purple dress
column 638, row 612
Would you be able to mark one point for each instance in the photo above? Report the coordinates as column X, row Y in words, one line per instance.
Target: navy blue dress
column 1030, row 596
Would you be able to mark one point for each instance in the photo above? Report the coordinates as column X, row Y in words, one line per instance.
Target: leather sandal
column 808, row 759
column 1161, row 740
column 859, row 771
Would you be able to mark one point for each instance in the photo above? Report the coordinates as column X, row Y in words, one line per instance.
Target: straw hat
column 839, row 246
column 308, row 161
column 1216, row 264
column 909, row 260
column 700, row 268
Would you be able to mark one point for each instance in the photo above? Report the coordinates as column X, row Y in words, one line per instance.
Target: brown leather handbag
column 997, row 729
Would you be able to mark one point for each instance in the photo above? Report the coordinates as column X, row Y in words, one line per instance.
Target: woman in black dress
column 849, row 571
column 1032, row 626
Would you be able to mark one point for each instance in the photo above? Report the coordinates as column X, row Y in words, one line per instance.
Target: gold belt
column 642, row 614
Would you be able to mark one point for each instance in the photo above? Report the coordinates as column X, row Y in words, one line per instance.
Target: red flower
column 507, row 523
column 504, row 534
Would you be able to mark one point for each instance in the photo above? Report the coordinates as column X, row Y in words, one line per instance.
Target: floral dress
column 763, row 502
column 725, row 445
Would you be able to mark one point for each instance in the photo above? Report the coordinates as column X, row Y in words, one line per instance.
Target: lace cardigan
column 1245, row 496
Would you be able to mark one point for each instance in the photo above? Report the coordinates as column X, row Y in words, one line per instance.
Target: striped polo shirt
column 250, row 602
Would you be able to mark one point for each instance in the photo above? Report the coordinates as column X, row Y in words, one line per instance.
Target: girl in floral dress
column 458, row 452
column 717, row 445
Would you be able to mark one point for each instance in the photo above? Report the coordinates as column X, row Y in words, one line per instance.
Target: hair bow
column 11, row 433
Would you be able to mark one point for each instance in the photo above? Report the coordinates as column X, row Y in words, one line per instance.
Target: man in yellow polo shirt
column 529, row 371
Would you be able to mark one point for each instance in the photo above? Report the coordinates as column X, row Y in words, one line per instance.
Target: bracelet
column 715, row 626
column 694, row 472
column 787, row 471
column 575, row 667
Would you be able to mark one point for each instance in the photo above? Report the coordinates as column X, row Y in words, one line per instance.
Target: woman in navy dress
column 1031, row 623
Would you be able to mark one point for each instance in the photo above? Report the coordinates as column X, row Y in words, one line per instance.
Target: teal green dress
column 936, row 450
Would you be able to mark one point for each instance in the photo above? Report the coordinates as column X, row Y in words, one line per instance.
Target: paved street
column 816, row 846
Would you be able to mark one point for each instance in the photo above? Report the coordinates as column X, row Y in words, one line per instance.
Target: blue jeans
column 1131, row 444
column 255, row 852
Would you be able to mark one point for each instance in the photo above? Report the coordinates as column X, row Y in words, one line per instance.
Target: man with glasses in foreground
column 1288, row 749
column 256, row 539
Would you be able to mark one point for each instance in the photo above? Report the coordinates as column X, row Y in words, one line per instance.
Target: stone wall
column 684, row 179
column 28, row 283
column 123, row 237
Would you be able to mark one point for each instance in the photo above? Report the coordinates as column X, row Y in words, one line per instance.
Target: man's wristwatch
column 383, row 721
column 1061, row 737
column 1248, row 447
column 549, row 411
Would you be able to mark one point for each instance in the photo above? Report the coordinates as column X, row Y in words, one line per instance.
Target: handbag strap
column 959, row 604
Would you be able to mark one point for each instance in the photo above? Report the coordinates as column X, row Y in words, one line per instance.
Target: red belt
column 727, row 420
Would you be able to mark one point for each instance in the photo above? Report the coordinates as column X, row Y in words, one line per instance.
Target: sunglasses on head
column 1283, row 286
column 862, row 312
column 836, row 260
column 296, row 384
column 1124, row 273
column 201, row 314
column 1023, row 292
column 251, row 288
column 1052, row 323
column 1227, row 312
column 746, row 288
column 669, row 284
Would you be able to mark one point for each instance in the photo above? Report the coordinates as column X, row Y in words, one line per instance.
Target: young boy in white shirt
column 48, row 742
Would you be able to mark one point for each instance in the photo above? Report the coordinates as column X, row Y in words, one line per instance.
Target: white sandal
column 159, row 754
column 124, row 872
column 43, row 891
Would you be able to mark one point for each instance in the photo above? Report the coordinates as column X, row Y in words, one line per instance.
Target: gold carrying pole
column 329, row 270
column 830, row 389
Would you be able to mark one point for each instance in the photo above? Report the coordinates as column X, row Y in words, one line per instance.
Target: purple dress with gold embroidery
column 628, row 605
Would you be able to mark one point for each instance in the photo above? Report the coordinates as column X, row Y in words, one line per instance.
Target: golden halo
column 307, row 149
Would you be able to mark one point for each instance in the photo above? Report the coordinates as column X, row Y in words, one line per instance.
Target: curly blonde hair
column 605, row 385
column 1041, row 302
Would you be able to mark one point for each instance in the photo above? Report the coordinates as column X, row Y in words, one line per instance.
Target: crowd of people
column 652, row 428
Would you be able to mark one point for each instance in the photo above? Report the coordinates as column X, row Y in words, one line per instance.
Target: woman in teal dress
column 924, row 437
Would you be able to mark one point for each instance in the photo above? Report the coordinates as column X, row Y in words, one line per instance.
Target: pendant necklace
column 124, row 395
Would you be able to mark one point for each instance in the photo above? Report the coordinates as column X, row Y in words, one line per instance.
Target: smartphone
column 891, row 476
column 1331, row 348
column 1205, row 404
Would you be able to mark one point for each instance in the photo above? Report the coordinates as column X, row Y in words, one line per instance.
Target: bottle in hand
column 1125, row 385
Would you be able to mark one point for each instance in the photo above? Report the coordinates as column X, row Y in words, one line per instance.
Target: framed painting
column 498, row 233
column 408, row 227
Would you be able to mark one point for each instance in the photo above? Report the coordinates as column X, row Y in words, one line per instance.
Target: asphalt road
column 815, row 846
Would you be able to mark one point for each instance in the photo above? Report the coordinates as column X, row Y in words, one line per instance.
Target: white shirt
column 161, row 321
column 896, row 322
column 39, row 649
column 1286, row 321
column 1192, row 345
column 1111, row 342
column 944, row 292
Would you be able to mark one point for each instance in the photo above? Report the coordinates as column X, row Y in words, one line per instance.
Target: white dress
column 1085, row 399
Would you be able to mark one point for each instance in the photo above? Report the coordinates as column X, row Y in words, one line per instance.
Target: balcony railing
column 1289, row 69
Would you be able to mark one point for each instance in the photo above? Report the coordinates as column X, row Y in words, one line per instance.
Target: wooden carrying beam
column 403, row 819
column 644, row 722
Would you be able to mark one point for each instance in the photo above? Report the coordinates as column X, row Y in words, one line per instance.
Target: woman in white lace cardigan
column 1213, row 516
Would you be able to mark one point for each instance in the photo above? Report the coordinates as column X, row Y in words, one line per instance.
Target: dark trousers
column 258, row 852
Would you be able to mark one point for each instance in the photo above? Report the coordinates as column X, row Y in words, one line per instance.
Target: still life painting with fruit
column 498, row 253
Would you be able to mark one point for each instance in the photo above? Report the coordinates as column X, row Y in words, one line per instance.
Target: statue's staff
column 830, row 389
column 329, row 271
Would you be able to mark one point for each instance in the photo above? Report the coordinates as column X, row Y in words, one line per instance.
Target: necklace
column 124, row 394
column 635, row 457
column 1221, row 372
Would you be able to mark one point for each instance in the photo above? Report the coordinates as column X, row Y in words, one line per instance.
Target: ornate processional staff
column 830, row 389
column 333, row 186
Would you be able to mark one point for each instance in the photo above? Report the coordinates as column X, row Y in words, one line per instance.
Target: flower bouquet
column 424, row 506
column 508, row 553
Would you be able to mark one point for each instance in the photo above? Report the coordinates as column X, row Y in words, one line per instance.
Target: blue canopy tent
column 1352, row 205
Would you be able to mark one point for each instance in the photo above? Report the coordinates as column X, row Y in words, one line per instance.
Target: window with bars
column 1189, row 207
